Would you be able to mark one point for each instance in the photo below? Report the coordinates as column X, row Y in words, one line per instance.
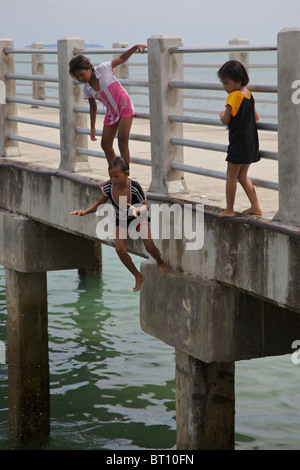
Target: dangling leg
column 124, row 126
column 107, row 141
column 121, row 249
column 152, row 249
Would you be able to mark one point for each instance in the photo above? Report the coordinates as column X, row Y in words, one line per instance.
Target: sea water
column 113, row 386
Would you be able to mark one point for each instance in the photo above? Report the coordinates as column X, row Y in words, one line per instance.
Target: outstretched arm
column 125, row 56
column 103, row 199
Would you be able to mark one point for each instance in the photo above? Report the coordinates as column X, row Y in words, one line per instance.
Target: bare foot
column 138, row 282
column 253, row 211
column 163, row 269
column 227, row 213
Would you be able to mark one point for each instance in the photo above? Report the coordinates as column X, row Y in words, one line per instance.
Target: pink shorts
column 118, row 106
column 123, row 112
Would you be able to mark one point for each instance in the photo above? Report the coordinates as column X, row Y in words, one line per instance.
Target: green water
column 113, row 387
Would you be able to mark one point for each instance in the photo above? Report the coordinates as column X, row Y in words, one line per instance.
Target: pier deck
column 201, row 189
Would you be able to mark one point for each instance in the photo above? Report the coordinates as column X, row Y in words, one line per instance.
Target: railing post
column 8, row 148
column 70, row 96
column 38, row 68
column 288, row 70
column 121, row 72
column 241, row 56
column 164, row 101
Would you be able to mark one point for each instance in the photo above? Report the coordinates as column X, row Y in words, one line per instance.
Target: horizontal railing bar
column 199, row 144
column 101, row 50
column 267, row 126
column 81, row 109
column 39, row 78
column 221, row 98
column 221, row 175
column 94, row 153
column 199, row 171
column 36, row 122
column 138, row 137
column 230, row 48
column 47, row 104
column 216, row 66
column 27, row 140
column 216, row 122
column 217, row 147
column 142, row 115
column 218, row 86
column 195, row 120
column 46, row 50
column 196, row 85
column 268, row 155
column 86, row 110
column 210, row 111
column 139, row 83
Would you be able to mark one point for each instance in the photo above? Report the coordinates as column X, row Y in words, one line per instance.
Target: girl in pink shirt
column 101, row 84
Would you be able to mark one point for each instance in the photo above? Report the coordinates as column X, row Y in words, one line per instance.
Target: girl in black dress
column 241, row 116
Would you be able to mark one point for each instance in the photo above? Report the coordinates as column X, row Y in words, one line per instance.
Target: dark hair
column 79, row 62
column 119, row 162
column 234, row 70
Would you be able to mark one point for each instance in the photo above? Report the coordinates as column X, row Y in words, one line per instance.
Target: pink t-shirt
column 111, row 94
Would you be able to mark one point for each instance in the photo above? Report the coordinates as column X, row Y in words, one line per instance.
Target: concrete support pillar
column 27, row 346
column 96, row 269
column 165, row 67
column 8, row 148
column 288, row 69
column 38, row 68
column 204, row 404
column 70, row 96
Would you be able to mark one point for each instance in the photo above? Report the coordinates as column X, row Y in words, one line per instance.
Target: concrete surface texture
column 202, row 189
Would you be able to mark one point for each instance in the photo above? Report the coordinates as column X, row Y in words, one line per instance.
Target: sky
column 198, row 23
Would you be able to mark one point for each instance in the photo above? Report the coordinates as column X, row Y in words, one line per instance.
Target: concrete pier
column 234, row 297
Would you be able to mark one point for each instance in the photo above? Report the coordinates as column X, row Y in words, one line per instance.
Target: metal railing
column 140, row 83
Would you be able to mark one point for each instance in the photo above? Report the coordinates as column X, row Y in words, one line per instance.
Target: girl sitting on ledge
column 118, row 189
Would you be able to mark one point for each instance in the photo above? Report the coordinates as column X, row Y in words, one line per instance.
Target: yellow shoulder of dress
column 235, row 100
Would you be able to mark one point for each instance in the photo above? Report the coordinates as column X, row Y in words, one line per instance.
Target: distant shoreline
column 55, row 45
